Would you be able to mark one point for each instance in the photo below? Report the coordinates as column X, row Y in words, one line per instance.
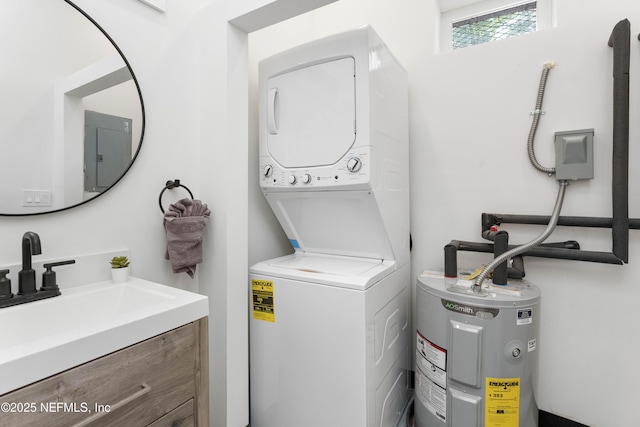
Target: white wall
column 469, row 121
column 587, row 355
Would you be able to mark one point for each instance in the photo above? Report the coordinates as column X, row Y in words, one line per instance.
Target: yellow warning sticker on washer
column 502, row 407
column 262, row 291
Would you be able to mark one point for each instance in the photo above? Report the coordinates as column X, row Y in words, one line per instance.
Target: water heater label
column 263, row 309
column 525, row 316
column 502, row 407
column 431, row 376
column 471, row 310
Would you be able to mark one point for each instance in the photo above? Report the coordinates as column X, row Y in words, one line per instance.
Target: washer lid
column 344, row 223
column 319, row 263
column 331, row 270
column 311, row 114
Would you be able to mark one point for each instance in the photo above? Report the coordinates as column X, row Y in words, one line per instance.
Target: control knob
column 354, row 164
column 306, row 178
column 267, row 171
column 292, row 179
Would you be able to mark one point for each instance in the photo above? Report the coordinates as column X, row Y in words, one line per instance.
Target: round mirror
column 71, row 117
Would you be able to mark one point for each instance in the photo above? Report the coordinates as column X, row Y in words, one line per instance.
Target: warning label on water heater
column 525, row 316
column 262, row 291
column 431, row 376
column 502, row 402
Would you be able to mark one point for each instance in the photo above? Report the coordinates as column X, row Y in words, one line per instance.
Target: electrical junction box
column 574, row 154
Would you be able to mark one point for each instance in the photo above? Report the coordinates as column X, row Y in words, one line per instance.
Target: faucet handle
column 55, row 264
column 5, row 285
column 49, row 276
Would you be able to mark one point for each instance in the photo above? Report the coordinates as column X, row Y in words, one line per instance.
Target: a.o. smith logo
column 460, row 308
column 470, row 310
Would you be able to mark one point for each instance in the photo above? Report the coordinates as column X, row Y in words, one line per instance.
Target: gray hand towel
column 184, row 224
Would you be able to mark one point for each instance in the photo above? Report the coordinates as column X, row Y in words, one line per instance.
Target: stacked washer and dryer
column 329, row 326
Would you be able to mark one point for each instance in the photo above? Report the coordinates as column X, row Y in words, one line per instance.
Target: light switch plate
column 36, row 198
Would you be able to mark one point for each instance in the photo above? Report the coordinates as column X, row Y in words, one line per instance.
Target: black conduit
column 620, row 42
column 451, row 259
column 489, row 219
column 542, row 252
column 500, row 246
column 516, row 271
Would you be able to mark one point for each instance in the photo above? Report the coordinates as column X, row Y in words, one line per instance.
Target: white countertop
column 41, row 338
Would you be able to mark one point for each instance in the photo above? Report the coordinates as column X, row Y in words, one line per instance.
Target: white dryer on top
column 334, row 146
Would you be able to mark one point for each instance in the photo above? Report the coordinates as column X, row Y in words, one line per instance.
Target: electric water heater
column 476, row 356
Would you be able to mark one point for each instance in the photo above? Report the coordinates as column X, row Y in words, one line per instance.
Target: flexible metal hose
column 536, row 119
column 551, row 171
column 524, row 248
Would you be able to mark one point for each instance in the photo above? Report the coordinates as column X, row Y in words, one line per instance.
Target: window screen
column 497, row 25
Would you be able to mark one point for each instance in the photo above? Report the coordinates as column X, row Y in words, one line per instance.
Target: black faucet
column 27, row 291
column 27, row 276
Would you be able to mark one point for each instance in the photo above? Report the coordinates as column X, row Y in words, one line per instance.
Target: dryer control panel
column 352, row 169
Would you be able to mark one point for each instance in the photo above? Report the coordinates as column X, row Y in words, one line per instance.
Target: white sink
column 42, row 338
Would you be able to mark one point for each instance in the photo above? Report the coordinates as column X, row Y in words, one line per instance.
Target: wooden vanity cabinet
column 162, row 381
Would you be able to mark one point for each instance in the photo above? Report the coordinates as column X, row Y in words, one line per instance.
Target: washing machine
column 329, row 342
column 329, row 324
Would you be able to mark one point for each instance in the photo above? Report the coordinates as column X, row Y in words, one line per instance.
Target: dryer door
column 311, row 114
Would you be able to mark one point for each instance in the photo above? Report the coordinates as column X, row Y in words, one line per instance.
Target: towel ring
column 169, row 186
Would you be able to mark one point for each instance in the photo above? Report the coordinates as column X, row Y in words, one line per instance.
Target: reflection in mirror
column 71, row 115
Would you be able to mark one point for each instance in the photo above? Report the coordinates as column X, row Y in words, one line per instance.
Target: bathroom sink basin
column 42, row 338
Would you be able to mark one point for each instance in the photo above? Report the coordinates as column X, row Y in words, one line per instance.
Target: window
column 470, row 22
column 492, row 26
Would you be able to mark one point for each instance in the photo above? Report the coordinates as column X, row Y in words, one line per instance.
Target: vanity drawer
column 182, row 416
column 134, row 386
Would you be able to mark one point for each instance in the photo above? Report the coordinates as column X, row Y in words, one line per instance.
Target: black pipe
column 490, row 219
column 567, row 244
column 489, row 234
column 500, row 246
column 451, row 259
column 516, row 271
column 620, row 42
column 547, row 252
